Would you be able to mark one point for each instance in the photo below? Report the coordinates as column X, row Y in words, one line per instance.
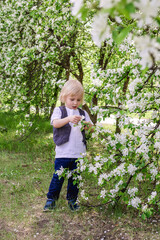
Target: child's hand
column 75, row 119
column 88, row 126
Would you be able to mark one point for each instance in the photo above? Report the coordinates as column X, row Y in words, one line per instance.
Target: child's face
column 73, row 101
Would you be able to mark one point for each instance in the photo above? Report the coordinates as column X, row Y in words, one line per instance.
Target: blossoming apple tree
column 127, row 167
column 42, row 44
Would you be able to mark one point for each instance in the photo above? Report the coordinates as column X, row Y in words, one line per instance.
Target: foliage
column 125, row 83
column 42, row 44
column 25, row 170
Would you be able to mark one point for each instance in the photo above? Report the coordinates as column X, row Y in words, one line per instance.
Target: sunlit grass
column 110, row 127
column 26, row 168
column 147, row 115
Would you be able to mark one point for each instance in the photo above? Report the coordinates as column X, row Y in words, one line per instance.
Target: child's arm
column 58, row 123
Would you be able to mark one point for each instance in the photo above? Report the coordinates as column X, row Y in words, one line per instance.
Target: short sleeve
column 56, row 114
column 87, row 117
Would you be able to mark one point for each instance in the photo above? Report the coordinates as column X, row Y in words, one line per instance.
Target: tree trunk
column 37, row 110
column 125, row 86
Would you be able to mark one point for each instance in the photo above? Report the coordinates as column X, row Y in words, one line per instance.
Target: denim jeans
column 56, row 182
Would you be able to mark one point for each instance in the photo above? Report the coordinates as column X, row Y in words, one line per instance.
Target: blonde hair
column 73, row 88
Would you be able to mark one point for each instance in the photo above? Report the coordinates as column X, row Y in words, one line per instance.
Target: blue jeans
column 56, row 182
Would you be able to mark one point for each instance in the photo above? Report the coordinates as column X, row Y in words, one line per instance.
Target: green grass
column 26, row 168
column 147, row 115
column 110, row 127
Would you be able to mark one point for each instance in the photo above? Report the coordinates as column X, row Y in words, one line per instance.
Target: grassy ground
column 146, row 115
column 26, row 168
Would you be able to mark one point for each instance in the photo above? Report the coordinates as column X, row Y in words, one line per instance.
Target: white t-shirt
column 74, row 147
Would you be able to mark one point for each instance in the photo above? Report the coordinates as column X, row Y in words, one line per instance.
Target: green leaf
column 122, row 35
column 144, row 71
column 133, row 131
column 143, row 216
column 118, row 145
column 130, row 8
column 84, row 12
column 158, row 20
column 124, row 9
column 74, row 182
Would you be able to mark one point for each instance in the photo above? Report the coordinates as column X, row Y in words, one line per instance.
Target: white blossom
column 69, row 174
column 157, row 145
column 83, row 195
column 103, row 193
column 135, row 202
column 144, row 208
column 121, row 138
column 112, row 158
column 118, row 19
column 108, row 3
column 81, row 184
column 97, row 82
column 148, row 9
column 133, row 84
column 143, row 148
column 103, row 176
column 132, row 191
column 100, row 29
column 116, row 189
column 131, row 169
column 60, row 171
column 77, row 4
column 148, row 49
column 153, row 170
column 154, row 115
column 125, row 151
column 139, row 176
column 153, row 195
column 119, row 171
